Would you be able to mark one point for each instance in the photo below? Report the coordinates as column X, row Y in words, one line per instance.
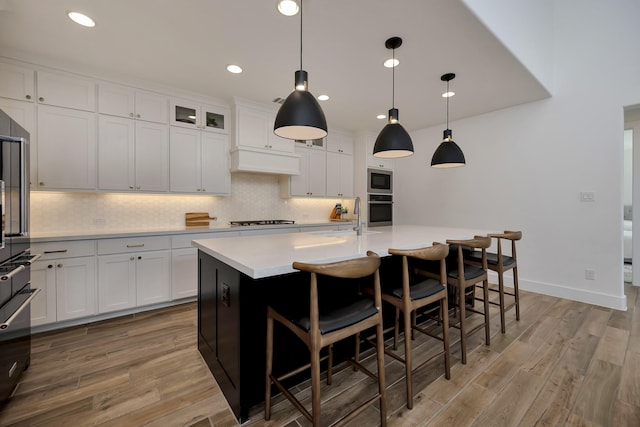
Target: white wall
column 527, row 165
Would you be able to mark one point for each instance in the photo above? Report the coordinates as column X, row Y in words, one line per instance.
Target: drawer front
column 56, row 250
column 184, row 240
column 133, row 244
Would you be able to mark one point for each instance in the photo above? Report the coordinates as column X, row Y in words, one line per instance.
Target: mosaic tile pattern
column 253, row 196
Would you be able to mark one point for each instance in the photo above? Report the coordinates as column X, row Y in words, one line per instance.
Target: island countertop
column 271, row 255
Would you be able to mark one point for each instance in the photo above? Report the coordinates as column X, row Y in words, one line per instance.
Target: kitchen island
column 239, row 276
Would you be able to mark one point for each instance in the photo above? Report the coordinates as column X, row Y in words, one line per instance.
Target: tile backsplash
column 253, row 196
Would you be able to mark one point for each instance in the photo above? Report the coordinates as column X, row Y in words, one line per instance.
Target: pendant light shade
column 393, row 140
column 448, row 154
column 300, row 116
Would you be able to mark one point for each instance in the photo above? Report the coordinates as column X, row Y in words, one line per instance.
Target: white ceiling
column 188, row 43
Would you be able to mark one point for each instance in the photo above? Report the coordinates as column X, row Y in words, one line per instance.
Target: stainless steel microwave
column 379, row 181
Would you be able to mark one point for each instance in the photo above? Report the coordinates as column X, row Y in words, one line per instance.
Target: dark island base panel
column 232, row 328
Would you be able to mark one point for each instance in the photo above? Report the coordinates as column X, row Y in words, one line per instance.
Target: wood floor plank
column 465, row 408
column 613, row 345
column 597, row 398
column 630, row 383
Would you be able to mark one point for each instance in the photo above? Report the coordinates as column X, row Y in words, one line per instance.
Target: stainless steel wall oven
column 380, row 210
column 15, row 257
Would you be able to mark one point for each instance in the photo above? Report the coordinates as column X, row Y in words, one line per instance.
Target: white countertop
column 270, row 255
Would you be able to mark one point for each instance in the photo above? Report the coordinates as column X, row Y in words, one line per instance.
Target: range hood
column 250, row 159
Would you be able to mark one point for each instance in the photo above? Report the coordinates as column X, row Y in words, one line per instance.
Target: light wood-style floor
column 564, row 364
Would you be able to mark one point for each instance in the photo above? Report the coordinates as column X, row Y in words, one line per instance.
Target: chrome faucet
column 356, row 210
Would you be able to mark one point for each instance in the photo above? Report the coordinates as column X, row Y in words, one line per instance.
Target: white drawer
column 184, row 240
column 70, row 249
column 133, row 244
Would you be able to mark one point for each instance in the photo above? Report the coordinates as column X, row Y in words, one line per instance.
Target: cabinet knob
column 50, row 266
column 137, row 116
column 41, row 183
column 59, row 265
column 132, row 258
column 204, row 189
column 138, row 187
column 131, row 187
column 41, row 99
column 28, row 96
column 140, row 257
column 130, row 114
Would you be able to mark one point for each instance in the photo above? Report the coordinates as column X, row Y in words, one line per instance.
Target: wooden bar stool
column 464, row 277
column 413, row 294
column 318, row 330
column 500, row 263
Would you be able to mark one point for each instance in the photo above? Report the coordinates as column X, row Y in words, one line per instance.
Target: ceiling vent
column 278, row 100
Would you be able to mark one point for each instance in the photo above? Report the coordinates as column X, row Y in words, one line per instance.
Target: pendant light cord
column 449, row 96
column 301, row 34
column 393, row 79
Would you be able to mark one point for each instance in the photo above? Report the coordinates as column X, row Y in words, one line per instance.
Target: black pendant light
column 448, row 154
column 300, row 117
column 393, row 140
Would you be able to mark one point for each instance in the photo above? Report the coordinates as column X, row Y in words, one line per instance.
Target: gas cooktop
column 261, row 222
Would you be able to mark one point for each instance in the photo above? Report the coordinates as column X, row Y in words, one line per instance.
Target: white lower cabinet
column 184, row 273
column 68, row 289
column 66, row 277
column 184, row 262
column 129, row 276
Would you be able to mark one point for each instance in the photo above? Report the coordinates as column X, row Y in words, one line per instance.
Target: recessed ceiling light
column 82, row 19
column 235, row 69
column 323, row 97
column 288, row 7
column 390, row 63
column 448, row 94
column 381, row 116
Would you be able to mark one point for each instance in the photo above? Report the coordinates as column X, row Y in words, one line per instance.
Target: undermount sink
column 337, row 233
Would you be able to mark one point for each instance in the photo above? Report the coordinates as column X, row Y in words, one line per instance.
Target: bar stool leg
column 463, row 332
column 315, row 386
column 485, row 292
column 330, row 360
column 407, row 356
column 267, row 393
column 445, row 336
column 395, row 329
column 381, row 379
column 516, row 291
column 501, row 292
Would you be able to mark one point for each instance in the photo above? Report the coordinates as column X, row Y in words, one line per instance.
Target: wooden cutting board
column 198, row 219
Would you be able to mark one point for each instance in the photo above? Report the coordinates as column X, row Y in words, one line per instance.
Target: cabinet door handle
column 41, row 99
column 137, row 116
column 131, row 187
column 59, row 251
column 137, row 245
column 28, row 96
column 59, row 265
column 50, row 266
column 132, row 258
column 140, row 257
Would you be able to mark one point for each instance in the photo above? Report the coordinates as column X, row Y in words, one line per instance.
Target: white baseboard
column 596, row 298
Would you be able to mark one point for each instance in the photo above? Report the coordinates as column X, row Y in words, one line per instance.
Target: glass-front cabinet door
column 192, row 115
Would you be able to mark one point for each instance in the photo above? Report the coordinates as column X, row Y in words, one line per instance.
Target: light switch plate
column 587, row 196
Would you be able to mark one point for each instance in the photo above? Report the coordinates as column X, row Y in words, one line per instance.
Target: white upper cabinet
column 66, row 90
column 338, row 142
column 125, row 101
column 16, row 82
column 339, row 175
column 199, row 162
column 194, row 115
column 132, row 155
column 311, row 182
column 66, row 149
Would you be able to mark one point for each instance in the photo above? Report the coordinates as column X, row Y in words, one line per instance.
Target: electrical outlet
column 587, row 196
column 590, row 274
